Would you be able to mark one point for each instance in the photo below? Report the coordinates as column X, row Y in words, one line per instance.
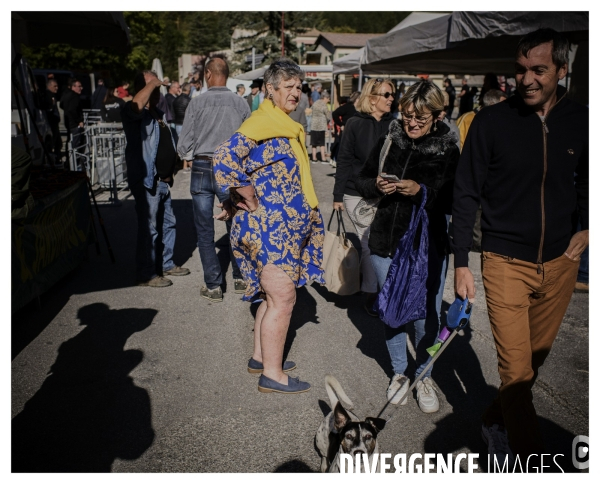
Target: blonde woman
column 361, row 133
column 423, row 152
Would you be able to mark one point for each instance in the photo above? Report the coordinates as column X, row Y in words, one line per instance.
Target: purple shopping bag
column 403, row 297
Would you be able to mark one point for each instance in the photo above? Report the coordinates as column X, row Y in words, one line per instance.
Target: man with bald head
column 210, row 119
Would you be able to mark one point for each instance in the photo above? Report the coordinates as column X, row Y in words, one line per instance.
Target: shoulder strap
column 384, row 152
column 385, row 149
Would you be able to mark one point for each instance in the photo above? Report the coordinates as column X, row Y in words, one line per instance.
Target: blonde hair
column 370, row 89
column 423, row 94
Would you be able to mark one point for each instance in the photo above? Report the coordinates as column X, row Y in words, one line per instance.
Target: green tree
column 145, row 34
column 65, row 57
column 266, row 35
column 209, row 32
column 364, row 22
column 172, row 42
column 341, row 29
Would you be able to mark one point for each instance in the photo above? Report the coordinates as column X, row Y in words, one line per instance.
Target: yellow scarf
column 267, row 122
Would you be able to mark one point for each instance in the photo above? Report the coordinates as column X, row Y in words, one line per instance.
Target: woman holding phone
column 423, row 152
column 360, row 134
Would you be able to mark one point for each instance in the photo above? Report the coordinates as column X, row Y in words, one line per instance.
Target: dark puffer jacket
column 433, row 161
column 179, row 106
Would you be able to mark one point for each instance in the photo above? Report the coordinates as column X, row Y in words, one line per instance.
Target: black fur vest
column 430, row 161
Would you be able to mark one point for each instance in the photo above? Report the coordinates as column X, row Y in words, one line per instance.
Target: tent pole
column 332, row 91
column 360, row 78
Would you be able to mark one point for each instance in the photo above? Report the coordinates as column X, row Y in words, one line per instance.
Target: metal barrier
column 91, row 116
column 109, row 162
column 78, row 156
column 100, row 151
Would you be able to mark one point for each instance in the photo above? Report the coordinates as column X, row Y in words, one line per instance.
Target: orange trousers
column 525, row 310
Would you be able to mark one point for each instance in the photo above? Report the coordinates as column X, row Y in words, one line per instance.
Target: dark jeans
column 203, row 189
column 156, row 230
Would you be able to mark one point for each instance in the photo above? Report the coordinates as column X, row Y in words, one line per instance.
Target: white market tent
column 157, row 67
column 465, row 42
column 251, row 75
column 349, row 64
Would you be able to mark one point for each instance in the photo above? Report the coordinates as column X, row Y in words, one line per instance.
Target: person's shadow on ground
column 185, row 240
column 460, row 379
column 458, row 375
column 88, row 412
column 372, row 341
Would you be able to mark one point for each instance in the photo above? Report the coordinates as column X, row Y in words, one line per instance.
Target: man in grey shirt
column 210, row 119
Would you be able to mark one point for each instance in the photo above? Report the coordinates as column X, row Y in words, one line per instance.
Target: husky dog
column 342, row 432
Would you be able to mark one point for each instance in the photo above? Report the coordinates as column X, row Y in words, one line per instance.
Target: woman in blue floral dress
column 277, row 236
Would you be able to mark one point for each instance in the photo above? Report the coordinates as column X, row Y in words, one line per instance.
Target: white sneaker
column 397, row 389
column 426, row 396
column 496, row 439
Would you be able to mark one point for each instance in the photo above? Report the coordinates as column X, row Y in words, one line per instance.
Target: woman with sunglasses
column 423, row 152
column 360, row 134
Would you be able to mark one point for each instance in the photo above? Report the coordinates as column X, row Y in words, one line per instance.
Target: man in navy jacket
column 526, row 161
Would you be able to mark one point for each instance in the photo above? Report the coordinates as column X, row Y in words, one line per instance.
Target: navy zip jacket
column 529, row 175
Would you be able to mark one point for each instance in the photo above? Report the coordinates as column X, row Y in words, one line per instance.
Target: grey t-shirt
column 210, row 118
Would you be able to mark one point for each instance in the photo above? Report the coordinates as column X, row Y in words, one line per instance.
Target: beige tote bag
column 340, row 260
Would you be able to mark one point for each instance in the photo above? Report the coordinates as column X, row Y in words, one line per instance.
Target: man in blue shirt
column 150, row 156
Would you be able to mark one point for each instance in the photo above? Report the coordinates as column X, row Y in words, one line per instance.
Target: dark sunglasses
column 385, row 94
column 380, row 80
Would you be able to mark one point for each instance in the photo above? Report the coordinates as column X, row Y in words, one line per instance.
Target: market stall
column 52, row 239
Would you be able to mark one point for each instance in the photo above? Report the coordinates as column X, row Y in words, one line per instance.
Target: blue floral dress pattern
column 284, row 230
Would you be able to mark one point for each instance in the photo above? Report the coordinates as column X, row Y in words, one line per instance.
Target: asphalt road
column 107, row 376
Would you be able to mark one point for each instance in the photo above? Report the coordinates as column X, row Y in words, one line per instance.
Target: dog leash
column 458, row 318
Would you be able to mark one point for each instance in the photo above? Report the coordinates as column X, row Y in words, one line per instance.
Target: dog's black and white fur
column 343, row 432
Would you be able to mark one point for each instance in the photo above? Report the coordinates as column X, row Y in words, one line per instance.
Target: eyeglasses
column 385, row 94
column 421, row 120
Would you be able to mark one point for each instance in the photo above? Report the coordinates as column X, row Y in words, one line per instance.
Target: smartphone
column 390, row 178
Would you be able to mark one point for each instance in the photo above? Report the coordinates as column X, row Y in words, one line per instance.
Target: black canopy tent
column 84, row 30
column 465, row 42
